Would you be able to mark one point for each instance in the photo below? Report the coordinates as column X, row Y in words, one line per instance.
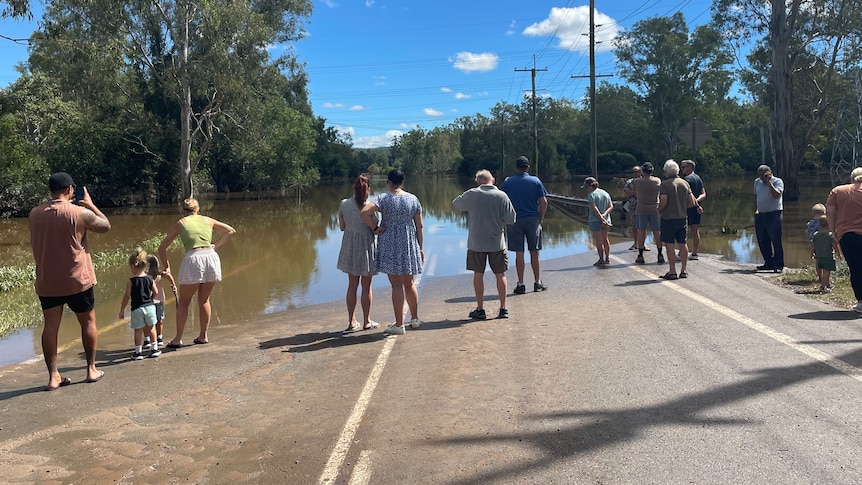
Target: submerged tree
column 674, row 70
column 807, row 44
column 206, row 58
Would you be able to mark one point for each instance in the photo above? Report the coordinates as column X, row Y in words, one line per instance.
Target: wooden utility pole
column 535, row 119
column 594, row 158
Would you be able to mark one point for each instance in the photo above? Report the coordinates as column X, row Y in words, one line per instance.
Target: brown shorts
column 497, row 260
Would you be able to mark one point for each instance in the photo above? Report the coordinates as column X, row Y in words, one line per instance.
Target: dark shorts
column 497, row 260
column 160, row 311
column 528, row 228
column 693, row 216
column 81, row 302
column 674, row 230
column 827, row 263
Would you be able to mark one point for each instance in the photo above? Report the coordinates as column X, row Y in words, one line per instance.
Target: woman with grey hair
column 844, row 212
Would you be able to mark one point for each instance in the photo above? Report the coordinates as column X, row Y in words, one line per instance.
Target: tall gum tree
column 210, row 56
column 807, row 43
column 673, row 70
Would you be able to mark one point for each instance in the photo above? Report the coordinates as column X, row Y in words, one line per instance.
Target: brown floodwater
column 286, row 248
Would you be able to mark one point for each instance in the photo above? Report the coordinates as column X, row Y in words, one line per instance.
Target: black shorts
column 81, row 302
column 673, row 231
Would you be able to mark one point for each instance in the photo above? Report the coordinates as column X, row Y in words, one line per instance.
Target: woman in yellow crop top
column 201, row 266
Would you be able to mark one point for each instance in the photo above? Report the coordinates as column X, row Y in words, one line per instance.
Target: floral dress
column 358, row 248
column 397, row 247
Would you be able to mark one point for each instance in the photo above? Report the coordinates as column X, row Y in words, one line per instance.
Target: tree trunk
column 781, row 119
column 185, row 112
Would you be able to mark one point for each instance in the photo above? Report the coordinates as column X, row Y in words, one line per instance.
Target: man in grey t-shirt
column 488, row 211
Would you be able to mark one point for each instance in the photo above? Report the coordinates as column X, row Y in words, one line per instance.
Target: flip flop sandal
column 669, row 276
column 65, row 381
column 370, row 326
column 683, row 275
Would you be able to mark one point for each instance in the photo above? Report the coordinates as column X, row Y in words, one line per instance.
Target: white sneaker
column 395, row 330
column 415, row 323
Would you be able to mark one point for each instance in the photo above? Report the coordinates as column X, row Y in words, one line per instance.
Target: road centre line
column 770, row 332
column 342, row 446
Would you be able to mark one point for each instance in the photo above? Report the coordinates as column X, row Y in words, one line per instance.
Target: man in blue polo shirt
column 527, row 194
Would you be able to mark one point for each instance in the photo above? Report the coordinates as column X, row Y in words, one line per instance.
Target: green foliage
column 23, row 174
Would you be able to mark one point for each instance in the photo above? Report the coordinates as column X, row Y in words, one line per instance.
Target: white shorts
column 201, row 265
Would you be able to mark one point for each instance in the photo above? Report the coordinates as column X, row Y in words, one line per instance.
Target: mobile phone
column 79, row 194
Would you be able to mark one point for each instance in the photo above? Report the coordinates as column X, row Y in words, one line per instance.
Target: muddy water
column 285, row 252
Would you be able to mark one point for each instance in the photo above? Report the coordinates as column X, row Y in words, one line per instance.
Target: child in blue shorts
column 155, row 271
column 140, row 289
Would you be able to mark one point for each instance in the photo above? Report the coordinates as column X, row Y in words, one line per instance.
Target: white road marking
column 770, row 332
column 342, row 446
column 362, row 471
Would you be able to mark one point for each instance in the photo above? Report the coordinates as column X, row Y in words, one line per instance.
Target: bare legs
column 89, row 338
column 203, row 291
column 352, row 285
column 694, row 230
column 683, row 257
column 403, row 287
column 520, row 265
column 603, row 245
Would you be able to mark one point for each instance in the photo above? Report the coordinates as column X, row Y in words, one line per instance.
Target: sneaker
column 415, row 323
column 138, row 356
column 692, row 256
column 778, row 270
column 395, row 330
column 640, row 259
column 161, row 342
column 763, row 267
column 829, row 288
column 520, row 289
column 858, row 306
column 660, row 258
column 155, row 353
column 539, row 286
column 478, row 314
column 503, row 313
column 147, row 343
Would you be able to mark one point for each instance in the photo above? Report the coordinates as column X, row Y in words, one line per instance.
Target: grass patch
column 19, row 305
column 804, row 282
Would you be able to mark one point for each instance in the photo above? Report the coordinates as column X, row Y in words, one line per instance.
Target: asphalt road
column 611, row 376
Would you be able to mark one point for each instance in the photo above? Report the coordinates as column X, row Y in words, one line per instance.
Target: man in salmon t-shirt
column 64, row 269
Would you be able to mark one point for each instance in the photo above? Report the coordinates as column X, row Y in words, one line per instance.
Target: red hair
column 361, row 189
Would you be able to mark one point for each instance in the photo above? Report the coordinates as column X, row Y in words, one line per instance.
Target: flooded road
column 285, row 252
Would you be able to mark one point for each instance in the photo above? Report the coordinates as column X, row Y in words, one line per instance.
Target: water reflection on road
column 285, row 252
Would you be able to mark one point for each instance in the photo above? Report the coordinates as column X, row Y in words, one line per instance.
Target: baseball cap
column 522, row 162
column 589, row 181
column 60, row 181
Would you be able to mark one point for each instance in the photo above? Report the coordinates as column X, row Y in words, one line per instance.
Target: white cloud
column 348, row 130
column 374, row 141
column 470, row 62
column 379, row 80
column 369, row 3
column 330, row 3
column 333, row 105
column 404, row 125
column 460, row 95
column 571, row 27
column 511, row 30
column 357, row 107
column 445, row 90
column 432, row 112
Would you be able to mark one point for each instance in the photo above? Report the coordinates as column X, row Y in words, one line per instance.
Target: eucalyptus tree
column 15, row 9
column 206, row 58
column 674, row 70
column 802, row 46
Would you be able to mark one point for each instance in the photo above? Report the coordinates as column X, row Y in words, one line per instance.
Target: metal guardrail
column 579, row 210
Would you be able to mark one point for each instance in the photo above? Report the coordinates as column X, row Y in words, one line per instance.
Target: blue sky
column 379, row 68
